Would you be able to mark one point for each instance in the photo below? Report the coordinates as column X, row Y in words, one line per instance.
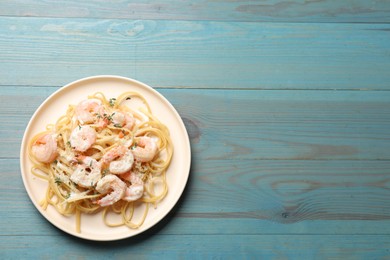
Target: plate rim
column 70, row 85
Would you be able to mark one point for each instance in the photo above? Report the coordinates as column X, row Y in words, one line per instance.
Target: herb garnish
column 112, row 101
column 57, row 180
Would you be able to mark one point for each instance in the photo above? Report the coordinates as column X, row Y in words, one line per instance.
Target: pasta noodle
column 103, row 156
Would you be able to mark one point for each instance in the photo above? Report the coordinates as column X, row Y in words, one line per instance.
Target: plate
column 92, row 226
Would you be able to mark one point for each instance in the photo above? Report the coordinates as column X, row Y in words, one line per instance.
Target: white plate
column 92, row 226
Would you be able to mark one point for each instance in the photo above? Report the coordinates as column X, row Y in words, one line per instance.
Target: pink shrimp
column 120, row 160
column 82, row 138
column 136, row 189
column 123, row 120
column 114, row 185
column 91, row 111
column 87, row 110
column 44, row 148
column 145, row 150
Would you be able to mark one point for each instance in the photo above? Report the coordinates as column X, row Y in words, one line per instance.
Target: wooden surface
column 287, row 105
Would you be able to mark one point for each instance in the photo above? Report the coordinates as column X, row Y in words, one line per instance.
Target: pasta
column 103, row 156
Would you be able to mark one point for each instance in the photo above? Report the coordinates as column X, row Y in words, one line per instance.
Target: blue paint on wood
column 286, row 103
column 196, row 54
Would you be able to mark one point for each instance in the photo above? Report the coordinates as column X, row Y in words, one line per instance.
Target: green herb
column 134, row 146
column 67, row 196
column 57, row 180
column 112, row 101
column 90, row 164
column 109, row 118
column 68, row 143
column 118, row 125
column 79, row 127
column 105, row 172
column 55, row 161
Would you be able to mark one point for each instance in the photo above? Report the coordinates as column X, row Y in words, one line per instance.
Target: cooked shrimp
column 136, row 188
column 120, row 160
column 87, row 174
column 44, row 148
column 115, row 185
column 130, row 122
column 82, row 138
column 146, row 149
column 123, row 120
column 88, row 110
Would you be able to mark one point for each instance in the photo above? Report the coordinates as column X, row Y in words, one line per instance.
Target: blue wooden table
column 286, row 103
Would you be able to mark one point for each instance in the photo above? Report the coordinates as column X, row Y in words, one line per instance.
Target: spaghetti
column 104, row 156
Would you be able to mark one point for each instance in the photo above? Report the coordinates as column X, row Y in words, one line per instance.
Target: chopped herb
column 79, row 127
column 109, row 118
column 90, row 164
column 104, row 173
column 68, row 143
column 112, row 101
column 118, row 125
column 134, row 146
column 57, row 180
column 67, row 196
column 55, row 161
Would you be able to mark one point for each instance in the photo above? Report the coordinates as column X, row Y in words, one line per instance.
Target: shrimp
column 82, row 138
column 115, row 185
column 120, row 160
column 88, row 110
column 136, row 188
column 123, row 120
column 87, row 174
column 146, row 149
column 44, row 148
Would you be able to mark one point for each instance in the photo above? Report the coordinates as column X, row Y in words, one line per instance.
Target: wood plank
column 256, row 124
column 210, row 246
column 224, row 10
column 247, row 197
column 196, row 54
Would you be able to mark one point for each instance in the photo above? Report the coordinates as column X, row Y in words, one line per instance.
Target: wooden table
column 287, row 105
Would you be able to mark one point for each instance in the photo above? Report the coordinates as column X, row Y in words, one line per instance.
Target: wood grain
column 286, row 103
column 255, row 125
column 211, row 246
column 228, row 10
column 251, row 197
column 196, row 54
